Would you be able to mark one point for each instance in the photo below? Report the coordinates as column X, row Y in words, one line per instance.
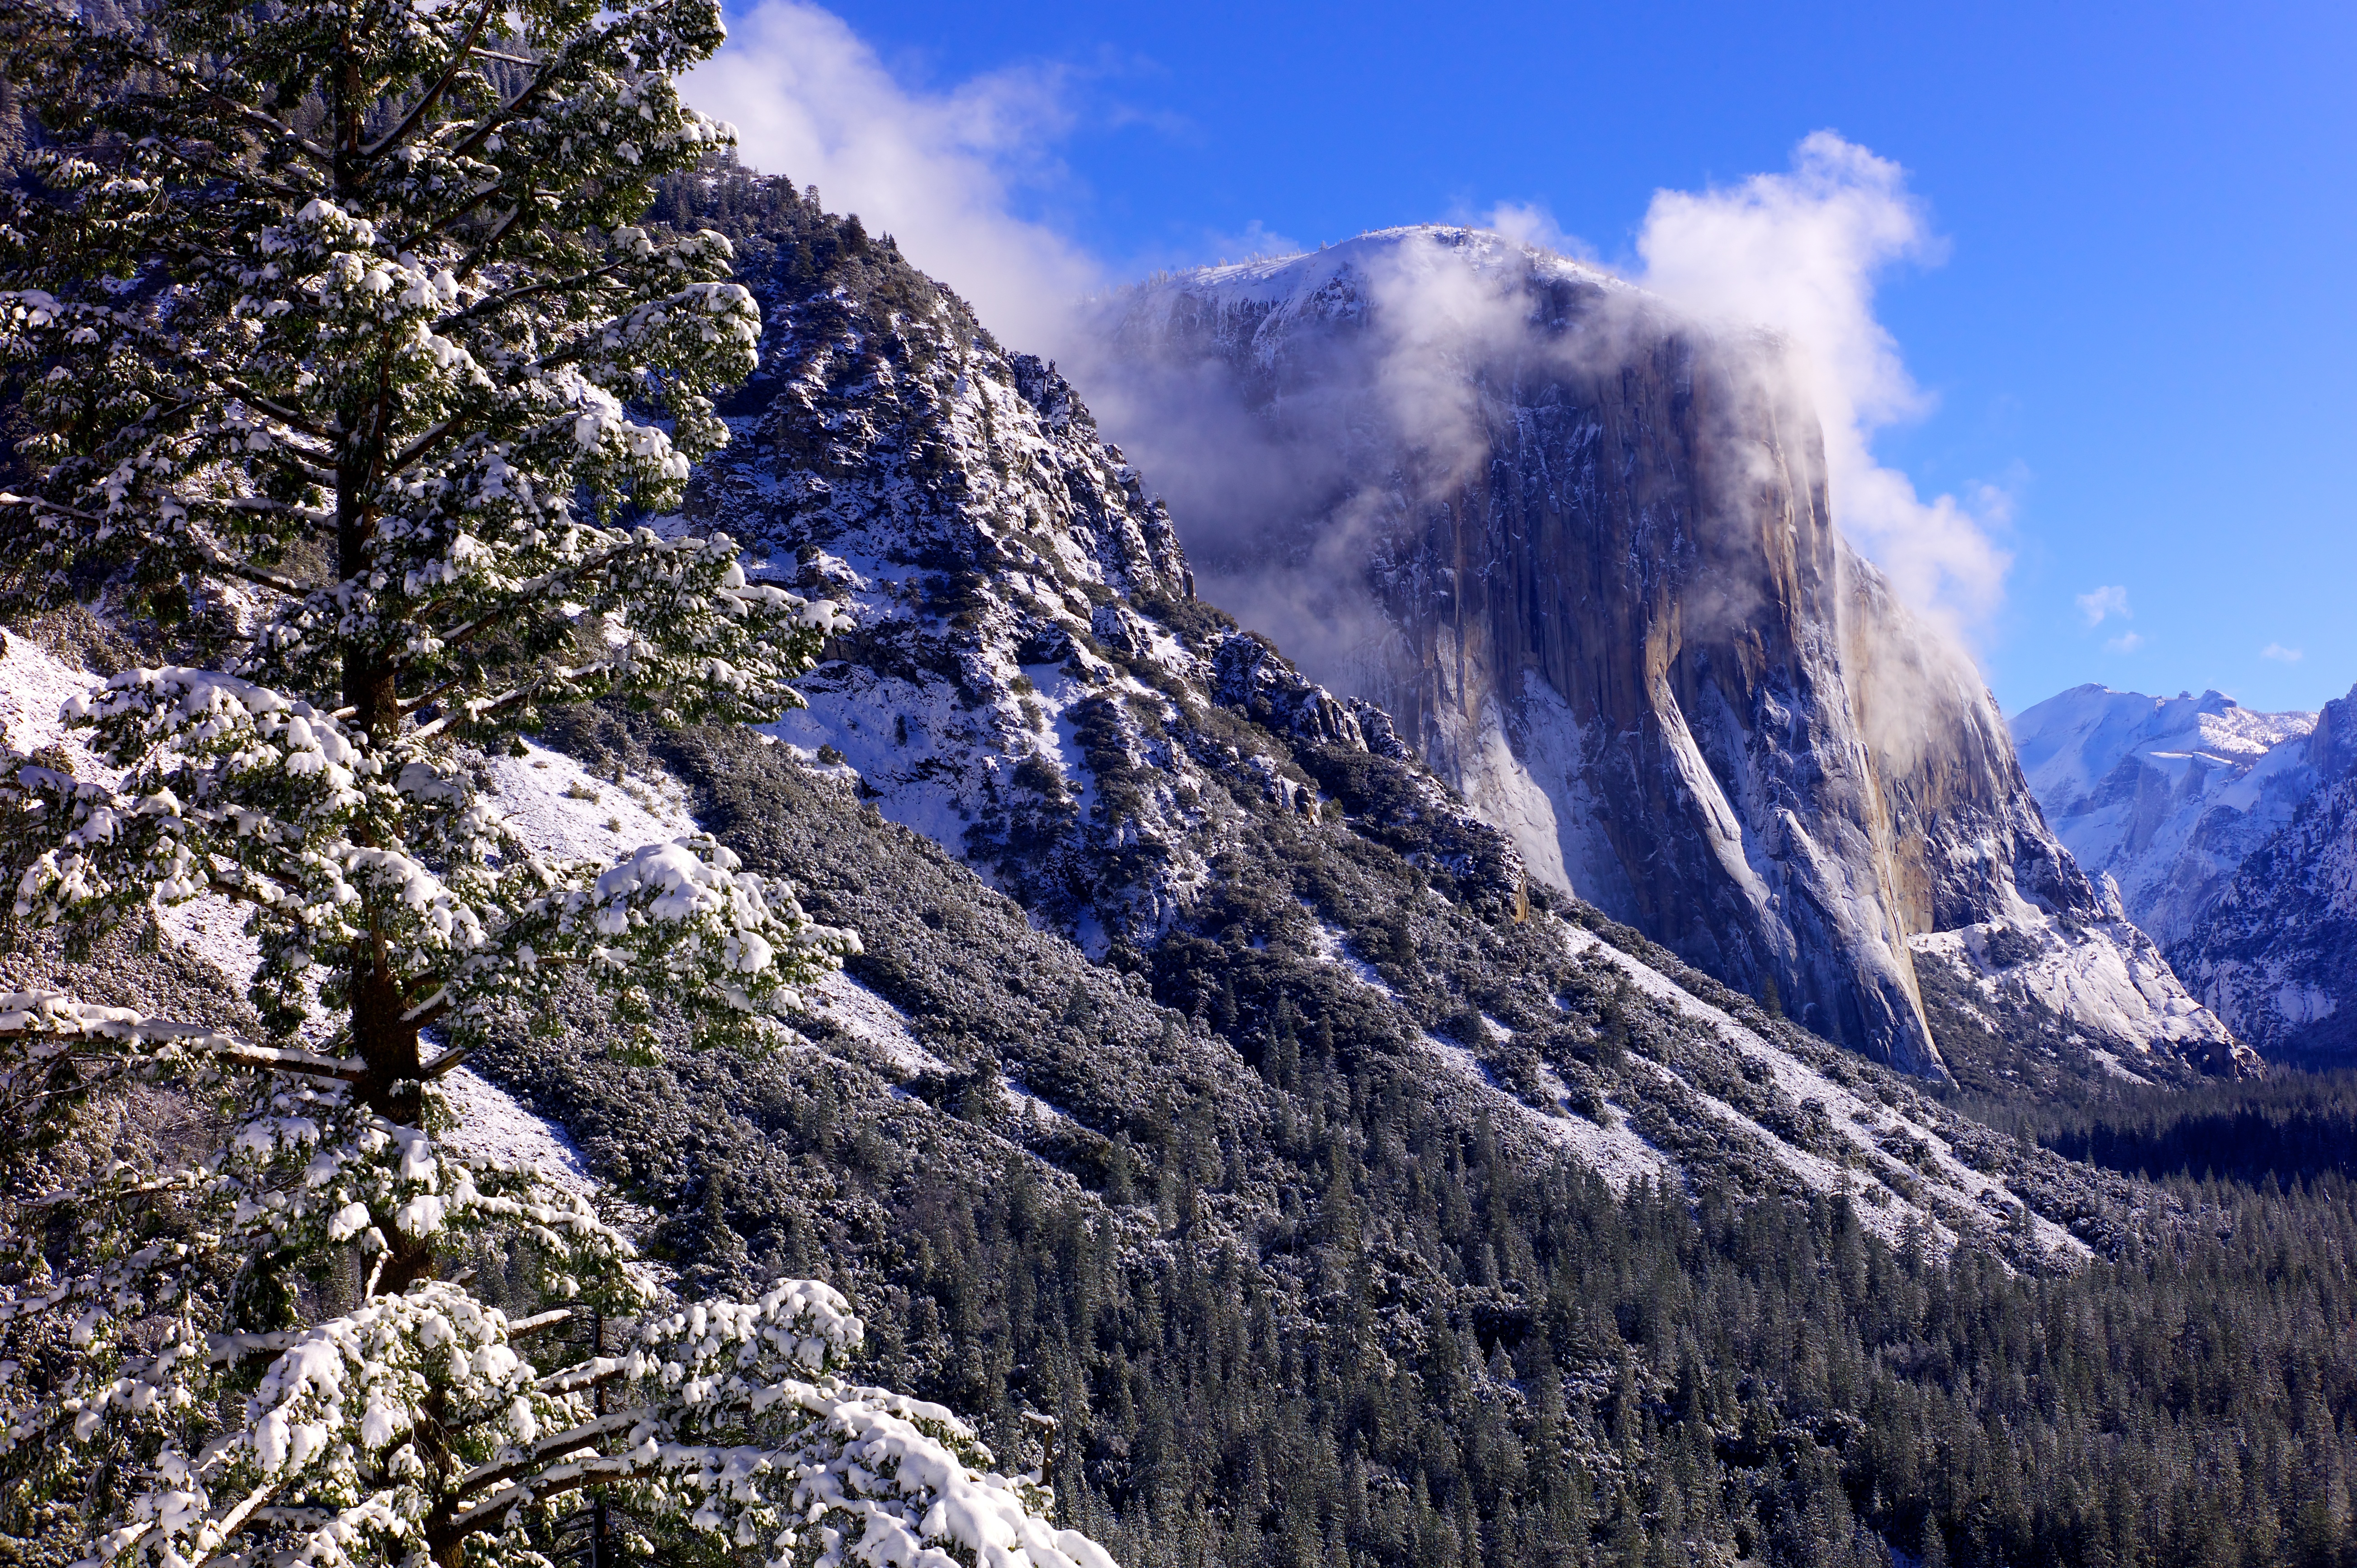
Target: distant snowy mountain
column 2167, row 796
column 2276, row 952
column 1580, row 547
column 2226, row 832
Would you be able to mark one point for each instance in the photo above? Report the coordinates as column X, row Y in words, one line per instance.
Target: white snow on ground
column 1614, row 1152
column 1029, row 1106
column 2118, row 1069
column 493, row 1125
column 1611, row 1148
column 1329, row 946
column 869, row 1017
column 557, row 807
column 34, row 685
column 1855, row 1118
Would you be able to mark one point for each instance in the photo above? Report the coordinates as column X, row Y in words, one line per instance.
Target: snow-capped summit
column 2167, row 796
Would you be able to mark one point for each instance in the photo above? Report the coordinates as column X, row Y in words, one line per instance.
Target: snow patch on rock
column 2106, row 981
column 866, row 1017
column 556, row 807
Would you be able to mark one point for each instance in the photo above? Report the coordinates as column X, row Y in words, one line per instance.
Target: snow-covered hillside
column 2224, row 831
column 2167, row 796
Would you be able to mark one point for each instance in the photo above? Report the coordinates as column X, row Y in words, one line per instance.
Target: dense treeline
column 1487, row 1364
column 2288, row 1128
column 1348, row 1327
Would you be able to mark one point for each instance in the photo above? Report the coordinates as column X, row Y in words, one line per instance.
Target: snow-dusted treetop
column 349, row 366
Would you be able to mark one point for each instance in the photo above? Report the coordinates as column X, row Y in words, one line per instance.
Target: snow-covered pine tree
column 345, row 361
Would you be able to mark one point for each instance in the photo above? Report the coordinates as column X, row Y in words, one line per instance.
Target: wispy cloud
column 941, row 172
column 2098, row 605
column 1533, row 223
column 1253, row 240
column 1800, row 253
column 2127, row 642
column 2280, row 654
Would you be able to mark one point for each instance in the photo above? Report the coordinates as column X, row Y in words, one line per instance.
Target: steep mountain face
column 2165, row 796
column 1347, row 1199
column 2275, row 952
column 1032, row 685
column 1581, row 550
column 1031, row 681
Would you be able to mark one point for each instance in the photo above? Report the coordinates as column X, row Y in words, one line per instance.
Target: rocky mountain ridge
column 1253, row 1147
column 1582, row 549
column 2226, row 831
column 2165, row 796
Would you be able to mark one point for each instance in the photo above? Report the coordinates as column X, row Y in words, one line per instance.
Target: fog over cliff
column 1580, row 540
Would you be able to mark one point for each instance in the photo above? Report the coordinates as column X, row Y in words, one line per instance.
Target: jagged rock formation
column 2166, row 796
column 2275, row 952
column 1582, row 550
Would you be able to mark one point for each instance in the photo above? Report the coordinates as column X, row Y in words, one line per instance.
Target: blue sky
column 2136, row 329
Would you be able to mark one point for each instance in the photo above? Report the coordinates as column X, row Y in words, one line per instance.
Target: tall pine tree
column 347, row 363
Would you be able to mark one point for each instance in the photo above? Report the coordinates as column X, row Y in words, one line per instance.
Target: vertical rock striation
column 1582, row 551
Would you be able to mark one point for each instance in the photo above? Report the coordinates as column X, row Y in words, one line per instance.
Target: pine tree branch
column 582, row 1437
column 432, row 96
column 489, row 301
column 52, row 1015
column 179, row 72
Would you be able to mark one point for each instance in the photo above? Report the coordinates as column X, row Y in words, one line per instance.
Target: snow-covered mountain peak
column 2164, row 795
column 2070, row 742
column 1310, row 274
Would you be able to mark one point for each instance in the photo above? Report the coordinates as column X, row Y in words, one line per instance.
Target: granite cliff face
column 1031, row 686
column 1582, row 550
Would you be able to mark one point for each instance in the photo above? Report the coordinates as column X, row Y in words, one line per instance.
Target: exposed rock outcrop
column 1582, row 550
column 1030, row 680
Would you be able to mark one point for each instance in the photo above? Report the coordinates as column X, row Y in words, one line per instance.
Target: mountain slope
column 1353, row 1209
column 1032, row 684
column 1581, row 548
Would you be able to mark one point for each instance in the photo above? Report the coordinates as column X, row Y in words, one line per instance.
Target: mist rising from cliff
column 1799, row 253
column 938, row 171
column 1299, row 467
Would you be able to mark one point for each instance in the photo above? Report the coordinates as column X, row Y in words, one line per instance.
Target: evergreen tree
column 347, row 361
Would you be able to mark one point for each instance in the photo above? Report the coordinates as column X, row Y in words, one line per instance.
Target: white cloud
column 1255, row 239
column 2127, row 642
column 2097, row 604
column 1532, row 223
column 1799, row 253
column 940, row 172
column 2280, row 654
